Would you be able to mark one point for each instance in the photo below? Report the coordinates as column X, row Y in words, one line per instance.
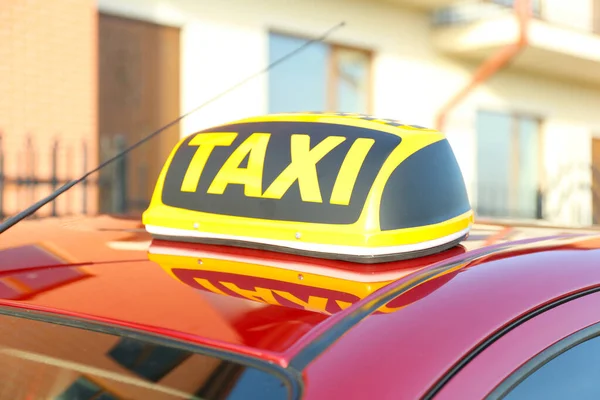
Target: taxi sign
column 340, row 186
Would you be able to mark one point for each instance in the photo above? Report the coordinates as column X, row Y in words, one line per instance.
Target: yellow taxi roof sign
column 341, row 186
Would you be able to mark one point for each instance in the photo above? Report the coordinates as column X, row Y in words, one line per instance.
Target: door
column 596, row 180
column 139, row 92
column 553, row 355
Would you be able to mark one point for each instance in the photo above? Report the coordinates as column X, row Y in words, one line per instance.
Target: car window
column 43, row 360
column 568, row 370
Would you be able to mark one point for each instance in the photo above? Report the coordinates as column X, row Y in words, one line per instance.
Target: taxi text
column 302, row 168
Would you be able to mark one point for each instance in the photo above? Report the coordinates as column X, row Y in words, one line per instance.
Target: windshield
column 44, row 360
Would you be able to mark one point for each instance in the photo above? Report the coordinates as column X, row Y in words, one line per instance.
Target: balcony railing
column 558, row 13
column 477, row 10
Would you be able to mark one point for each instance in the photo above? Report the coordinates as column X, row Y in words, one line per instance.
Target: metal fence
column 498, row 201
column 565, row 188
column 28, row 173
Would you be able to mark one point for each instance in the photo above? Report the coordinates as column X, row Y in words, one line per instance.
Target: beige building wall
column 412, row 78
column 569, row 122
column 573, row 13
column 48, row 77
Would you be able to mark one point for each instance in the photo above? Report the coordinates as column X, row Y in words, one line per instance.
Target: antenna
column 9, row 222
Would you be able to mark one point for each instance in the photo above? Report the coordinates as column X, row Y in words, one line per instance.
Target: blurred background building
column 515, row 84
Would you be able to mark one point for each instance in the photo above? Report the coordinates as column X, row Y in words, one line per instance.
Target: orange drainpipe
column 493, row 63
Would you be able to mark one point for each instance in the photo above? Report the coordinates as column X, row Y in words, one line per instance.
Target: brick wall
column 48, row 91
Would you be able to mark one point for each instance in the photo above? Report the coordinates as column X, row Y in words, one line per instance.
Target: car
column 251, row 294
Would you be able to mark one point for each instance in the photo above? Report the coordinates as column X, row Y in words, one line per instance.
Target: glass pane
column 528, row 183
column 80, row 389
column 494, row 132
column 40, row 360
column 574, row 374
column 106, row 396
column 299, row 83
column 151, row 362
column 255, row 384
column 353, row 81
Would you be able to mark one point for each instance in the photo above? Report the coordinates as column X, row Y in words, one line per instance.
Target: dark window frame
column 434, row 390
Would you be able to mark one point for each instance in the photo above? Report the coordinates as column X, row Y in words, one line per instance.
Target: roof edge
column 306, row 350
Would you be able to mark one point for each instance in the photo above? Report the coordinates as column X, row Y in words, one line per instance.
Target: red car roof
column 433, row 334
column 98, row 269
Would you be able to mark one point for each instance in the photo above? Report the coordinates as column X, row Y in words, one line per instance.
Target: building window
column 322, row 77
column 508, row 165
column 150, row 361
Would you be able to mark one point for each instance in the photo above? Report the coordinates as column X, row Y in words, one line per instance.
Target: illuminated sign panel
column 278, row 172
column 347, row 187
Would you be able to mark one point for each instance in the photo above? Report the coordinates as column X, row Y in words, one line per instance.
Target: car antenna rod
column 11, row 221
